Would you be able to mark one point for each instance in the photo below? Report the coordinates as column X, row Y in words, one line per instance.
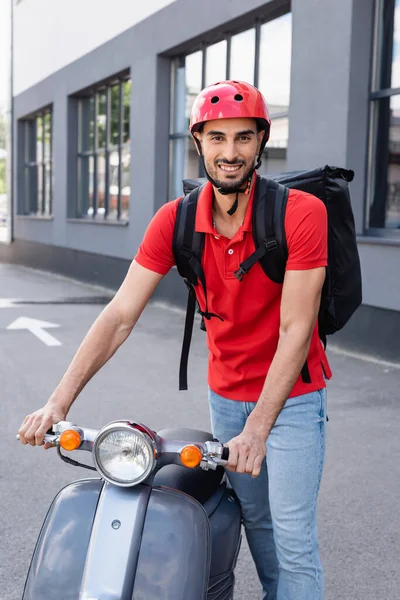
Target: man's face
column 230, row 148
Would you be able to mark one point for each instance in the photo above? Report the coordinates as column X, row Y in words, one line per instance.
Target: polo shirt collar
column 204, row 209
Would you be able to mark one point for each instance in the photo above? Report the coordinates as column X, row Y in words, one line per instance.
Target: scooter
column 159, row 524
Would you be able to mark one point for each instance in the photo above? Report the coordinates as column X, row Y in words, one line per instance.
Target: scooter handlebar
column 225, row 453
column 48, row 437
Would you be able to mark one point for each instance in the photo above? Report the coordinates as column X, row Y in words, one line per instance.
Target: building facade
column 102, row 95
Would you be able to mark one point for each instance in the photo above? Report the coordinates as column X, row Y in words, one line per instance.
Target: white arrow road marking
column 37, row 328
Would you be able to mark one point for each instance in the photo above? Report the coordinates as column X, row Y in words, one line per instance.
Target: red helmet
column 230, row 100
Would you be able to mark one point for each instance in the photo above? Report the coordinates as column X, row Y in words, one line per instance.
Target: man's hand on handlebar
column 37, row 424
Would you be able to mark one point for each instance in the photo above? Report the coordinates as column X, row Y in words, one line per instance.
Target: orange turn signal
column 70, row 440
column 191, row 456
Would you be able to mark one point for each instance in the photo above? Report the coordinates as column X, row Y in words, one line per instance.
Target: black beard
column 226, row 186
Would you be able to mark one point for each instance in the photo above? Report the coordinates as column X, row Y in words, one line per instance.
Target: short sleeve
column 306, row 227
column 155, row 251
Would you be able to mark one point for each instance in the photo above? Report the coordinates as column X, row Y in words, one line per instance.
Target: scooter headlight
column 123, row 455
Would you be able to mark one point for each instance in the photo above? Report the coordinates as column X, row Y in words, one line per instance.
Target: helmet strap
column 238, row 191
column 234, row 206
column 246, row 191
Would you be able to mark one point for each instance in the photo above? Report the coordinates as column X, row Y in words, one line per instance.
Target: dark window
column 260, row 55
column 104, row 151
column 36, row 190
column 384, row 205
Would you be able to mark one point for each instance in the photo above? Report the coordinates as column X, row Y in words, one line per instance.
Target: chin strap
column 238, row 191
column 246, row 191
column 234, row 206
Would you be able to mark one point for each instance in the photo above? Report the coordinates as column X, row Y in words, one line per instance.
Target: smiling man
column 272, row 418
column 267, row 367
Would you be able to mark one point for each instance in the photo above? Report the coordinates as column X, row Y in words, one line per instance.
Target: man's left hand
column 247, row 452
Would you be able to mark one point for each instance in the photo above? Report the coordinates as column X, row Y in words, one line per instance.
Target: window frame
column 381, row 60
column 94, row 152
column 256, row 23
column 30, row 204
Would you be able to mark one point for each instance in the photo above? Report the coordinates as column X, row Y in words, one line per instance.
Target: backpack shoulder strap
column 187, row 246
column 269, row 211
column 268, row 224
column 186, row 241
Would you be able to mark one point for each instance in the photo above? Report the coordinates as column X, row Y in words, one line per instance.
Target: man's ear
column 197, row 141
column 260, row 137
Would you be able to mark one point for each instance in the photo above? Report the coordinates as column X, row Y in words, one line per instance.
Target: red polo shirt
column 243, row 345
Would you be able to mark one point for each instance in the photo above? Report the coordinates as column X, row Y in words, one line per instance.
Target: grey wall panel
column 161, row 132
column 319, row 83
column 381, row 274
column 358, row 104
column 373, row 331
column 110, row 240
column 106, row 271
column 34, row 230
column 329, row 110
column 196, row 19
column 60, row 168
column 146, row 144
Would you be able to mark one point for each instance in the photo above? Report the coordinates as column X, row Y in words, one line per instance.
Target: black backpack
column 341, row 293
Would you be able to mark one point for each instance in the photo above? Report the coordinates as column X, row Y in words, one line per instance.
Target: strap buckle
column 240, row 273
column 270, row 245
column 208, row 315
column 188, row 284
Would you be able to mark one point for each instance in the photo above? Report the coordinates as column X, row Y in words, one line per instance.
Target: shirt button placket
column 230, row 263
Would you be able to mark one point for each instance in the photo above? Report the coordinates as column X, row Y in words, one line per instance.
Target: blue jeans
column 279, row 508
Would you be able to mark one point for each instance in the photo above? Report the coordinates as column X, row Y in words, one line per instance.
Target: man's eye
column 216, row 138
column 244, row 138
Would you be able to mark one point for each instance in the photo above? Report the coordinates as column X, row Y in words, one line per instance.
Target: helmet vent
column 239, row 98
column 214, row 99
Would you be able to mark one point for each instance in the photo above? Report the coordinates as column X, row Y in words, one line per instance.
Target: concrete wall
column 329, row 107
column 320, row 82
column 380, row 269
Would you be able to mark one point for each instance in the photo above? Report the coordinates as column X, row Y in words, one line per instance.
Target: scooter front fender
column 175, row 554
column 147, row 543
column 59, row 558
column 101, row 542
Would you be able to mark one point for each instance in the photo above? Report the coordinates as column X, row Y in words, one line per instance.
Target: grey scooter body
column 148, row 542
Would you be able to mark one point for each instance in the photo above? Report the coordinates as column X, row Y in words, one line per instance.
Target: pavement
column 359, row 517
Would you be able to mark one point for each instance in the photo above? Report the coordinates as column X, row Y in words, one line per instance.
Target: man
column 263, row 408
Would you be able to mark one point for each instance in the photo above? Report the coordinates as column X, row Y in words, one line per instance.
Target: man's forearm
column 103, row 339
column 289, row 359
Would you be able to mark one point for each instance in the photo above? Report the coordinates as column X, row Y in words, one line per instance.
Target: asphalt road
column 359, row 516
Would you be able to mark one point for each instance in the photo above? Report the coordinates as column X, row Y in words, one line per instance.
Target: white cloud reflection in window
column 216, row 63
column 193, row 74
column 243, row 49
column 275, row 63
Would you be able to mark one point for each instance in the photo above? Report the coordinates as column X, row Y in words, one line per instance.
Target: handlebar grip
column 49, row 432
column 225, row 453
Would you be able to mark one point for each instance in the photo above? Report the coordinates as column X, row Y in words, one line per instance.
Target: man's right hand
column 36, row 425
